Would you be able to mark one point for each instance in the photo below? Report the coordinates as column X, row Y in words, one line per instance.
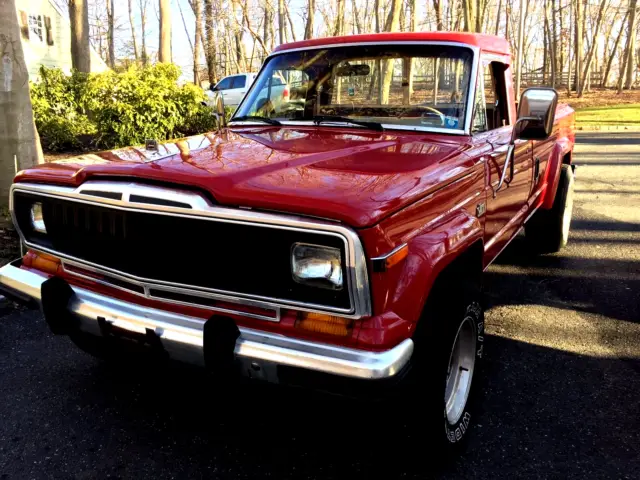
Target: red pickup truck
column 340, row 234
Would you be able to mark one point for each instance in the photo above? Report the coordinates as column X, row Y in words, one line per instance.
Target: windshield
column 395, row 85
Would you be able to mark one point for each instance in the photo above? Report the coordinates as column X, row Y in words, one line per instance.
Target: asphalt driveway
column 563, row 379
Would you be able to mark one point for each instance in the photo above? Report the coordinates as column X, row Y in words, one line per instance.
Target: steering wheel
column 432, row 112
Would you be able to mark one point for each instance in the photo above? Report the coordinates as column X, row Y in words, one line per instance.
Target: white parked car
column 234, row 87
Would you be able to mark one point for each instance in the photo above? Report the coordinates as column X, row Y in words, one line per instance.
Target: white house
column 46, row 37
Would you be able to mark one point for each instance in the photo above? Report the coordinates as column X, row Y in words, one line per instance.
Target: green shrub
column 61, row 123
column 113, row 109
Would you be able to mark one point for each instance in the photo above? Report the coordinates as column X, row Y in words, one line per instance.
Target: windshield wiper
column 318, row 119
column 256, row 118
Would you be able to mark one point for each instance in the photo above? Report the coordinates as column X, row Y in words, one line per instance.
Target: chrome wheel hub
column 460, row 373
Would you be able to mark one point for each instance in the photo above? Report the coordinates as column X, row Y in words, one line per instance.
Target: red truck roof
column 487, row 43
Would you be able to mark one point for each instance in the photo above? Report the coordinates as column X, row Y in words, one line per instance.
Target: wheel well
column 467, row 265
column 464, row 269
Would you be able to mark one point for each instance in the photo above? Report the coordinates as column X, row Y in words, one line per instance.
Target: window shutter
column 24, row 24
column 47, row 24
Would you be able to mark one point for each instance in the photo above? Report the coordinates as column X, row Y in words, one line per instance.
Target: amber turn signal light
column 321, row 323
column 384, row 263
column 42, row 261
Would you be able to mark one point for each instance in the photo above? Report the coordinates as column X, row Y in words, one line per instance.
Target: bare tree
column 628, row 62
column 164, row 52
column 437, row 7
column 579, row 35
column 612, row 55
column 143, row 20
column 110, row 34
column 19, row 143
column 210, row 44
column 133, row 30
column 592, row 48
column 356, row 16
column 391, row 25
column 339, row 25
column 469, row 11
column 80, row 49
column 308, row 29
column 281, row 21
column 196, row 5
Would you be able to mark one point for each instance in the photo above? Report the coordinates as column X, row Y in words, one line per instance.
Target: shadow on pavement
column 546, row 413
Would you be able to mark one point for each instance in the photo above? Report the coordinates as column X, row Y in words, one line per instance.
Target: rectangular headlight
column 37, row 219
column 317, row 266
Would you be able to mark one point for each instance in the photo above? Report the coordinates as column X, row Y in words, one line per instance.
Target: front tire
column 446, row 368
column 548, row 230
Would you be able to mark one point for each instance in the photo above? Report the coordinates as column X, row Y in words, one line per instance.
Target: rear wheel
column 548, row 230
column 446, row 368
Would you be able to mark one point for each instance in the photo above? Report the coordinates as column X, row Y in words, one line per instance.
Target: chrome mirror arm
column 510, row 152
column 504, row 169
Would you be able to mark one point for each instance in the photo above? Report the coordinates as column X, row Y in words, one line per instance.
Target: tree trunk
column 594, row 42
column 437, row 8
column 520, row 53
column 19, row 145
column 356, row 16
column 164, row 52
column 414, row 17
column 210, row 45
column 308, row 29
column 607, row 70
column 548, row 16
column 197, row 10
column 579, row 26
column 281, row 20
column 469, row 15
column 143, row 22
column 291, row 28
column 569, row 83
column 338, row 29
column 80, row 50
column 110, row 37
column 554, row 42
column 545, row 44
column 391, row 25
column 631, row 45
column 133, row 32
column 498, row 17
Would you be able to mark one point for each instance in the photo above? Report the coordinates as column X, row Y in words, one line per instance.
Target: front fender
column 401, row 292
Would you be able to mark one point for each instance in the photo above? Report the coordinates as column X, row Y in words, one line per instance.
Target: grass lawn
column 623, row 115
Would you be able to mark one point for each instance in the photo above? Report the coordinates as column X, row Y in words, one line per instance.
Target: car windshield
column 419, row 86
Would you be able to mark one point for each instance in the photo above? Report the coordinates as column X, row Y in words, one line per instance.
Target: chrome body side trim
column 183, row 336
column 384, row 257
column 201, row 207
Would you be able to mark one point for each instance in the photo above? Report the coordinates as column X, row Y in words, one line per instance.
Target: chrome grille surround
column 161, row 200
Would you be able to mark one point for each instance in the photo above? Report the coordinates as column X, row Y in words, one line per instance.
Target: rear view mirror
column 353, row 70
column 536, row 114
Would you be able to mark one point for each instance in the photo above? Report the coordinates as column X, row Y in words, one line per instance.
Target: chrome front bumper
column 259, row 353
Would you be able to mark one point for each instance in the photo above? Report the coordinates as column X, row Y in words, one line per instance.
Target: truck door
column 506, row 209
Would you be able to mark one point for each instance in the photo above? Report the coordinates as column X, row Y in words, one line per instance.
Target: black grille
column 235, row 257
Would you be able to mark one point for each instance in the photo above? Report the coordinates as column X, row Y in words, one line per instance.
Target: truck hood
column 354, row 176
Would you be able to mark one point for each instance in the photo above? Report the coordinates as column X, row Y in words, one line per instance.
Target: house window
column 36, row 27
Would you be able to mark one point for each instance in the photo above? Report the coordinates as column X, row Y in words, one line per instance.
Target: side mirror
column 217, row 104
column 213, row 88
column 536, row 114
